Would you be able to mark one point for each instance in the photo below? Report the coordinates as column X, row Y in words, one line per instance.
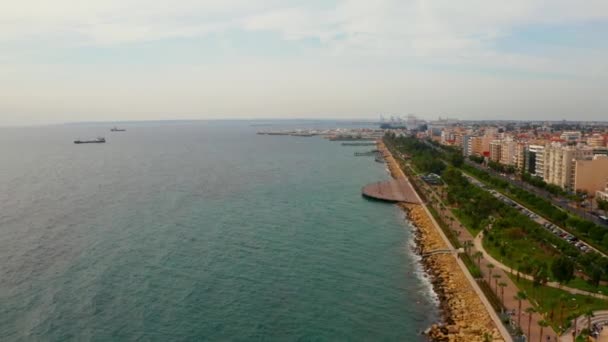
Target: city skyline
column 135, row 60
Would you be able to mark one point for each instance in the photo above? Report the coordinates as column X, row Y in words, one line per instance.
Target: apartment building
column 507, row 152
column 591, row 175
column 559, row 163
column 466, row 145
column 520, row 156
column 571, row 136
column 596, row 140
column 495, row 150
column 535, row 161
column 476, row 146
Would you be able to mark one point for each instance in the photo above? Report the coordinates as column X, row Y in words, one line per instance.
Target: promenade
column 398, row 174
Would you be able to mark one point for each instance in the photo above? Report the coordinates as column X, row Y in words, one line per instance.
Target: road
column 557, row 201
column 553, row 228
column 479, row 246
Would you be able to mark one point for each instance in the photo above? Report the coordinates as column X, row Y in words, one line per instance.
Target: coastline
column 464, row 316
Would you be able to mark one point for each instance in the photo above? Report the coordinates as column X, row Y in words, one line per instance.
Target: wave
column 420, row 272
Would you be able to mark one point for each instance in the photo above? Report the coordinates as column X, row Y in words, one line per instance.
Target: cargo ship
column 116, row 129
column 95, row 141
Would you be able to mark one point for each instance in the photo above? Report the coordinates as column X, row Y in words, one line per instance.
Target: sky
column 113, row 60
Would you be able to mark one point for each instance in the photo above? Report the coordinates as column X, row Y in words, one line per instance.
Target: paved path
column 479, row 246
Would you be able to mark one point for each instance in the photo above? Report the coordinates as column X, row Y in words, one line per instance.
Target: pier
column 359, row 144
column 391, row 191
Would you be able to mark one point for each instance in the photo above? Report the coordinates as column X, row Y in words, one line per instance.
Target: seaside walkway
column 400, row 175
column 444, row 251
column 391, row 191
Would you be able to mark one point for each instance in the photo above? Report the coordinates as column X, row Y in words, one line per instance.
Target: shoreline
column 463, row 315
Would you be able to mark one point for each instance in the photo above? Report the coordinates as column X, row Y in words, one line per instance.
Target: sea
column 201, row 231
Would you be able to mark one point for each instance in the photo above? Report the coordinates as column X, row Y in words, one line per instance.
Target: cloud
column 352, row 57
column 419, row 25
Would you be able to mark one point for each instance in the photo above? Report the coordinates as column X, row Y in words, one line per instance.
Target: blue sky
column 70, row 60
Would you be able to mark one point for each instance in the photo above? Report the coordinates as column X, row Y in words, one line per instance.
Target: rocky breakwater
column 392, row 164
column 465, row 316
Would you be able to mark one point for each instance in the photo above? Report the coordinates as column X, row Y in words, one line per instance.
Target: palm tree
column 467, row 246
column 490, row 268
column 589, row 314
column 562, row 300
column 502, row 285
column 542, row 324
column 477, row 255
column 521, row 295
column 496, row 277
column 574, row 317
column 530, row 311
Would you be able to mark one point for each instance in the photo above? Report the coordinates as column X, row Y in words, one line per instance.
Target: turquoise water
column 200, row 231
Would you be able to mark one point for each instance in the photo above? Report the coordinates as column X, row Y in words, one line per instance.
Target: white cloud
column 374, row 56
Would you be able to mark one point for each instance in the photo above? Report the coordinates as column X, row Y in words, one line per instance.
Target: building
column 507, row 152
column 495, row 150
column 485, row 142
column 596, row 140
column 571, row 136
column 602, row 195
column 520, row 156
column 535, row 160
column 591, row 175
column 559, row 162
column 466, row 145
column 476, row 146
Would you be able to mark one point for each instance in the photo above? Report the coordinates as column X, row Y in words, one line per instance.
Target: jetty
column 391, row 191
column 369, row 153
column 359, row 144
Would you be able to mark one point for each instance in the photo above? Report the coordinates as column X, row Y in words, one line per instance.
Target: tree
column 521, row 295
column 596, row 275
column 478, row 255
column 543, row 324
column 574, row 317
column 563, row 298
column 563, row 269
column 589, row 315
column 530, row 311
column 602, row 205
column 496, row 277
column 467, row 246
column 502, row 285
column 490, row 268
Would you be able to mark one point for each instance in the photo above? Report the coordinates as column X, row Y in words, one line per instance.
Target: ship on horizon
column 100, row 140
column 116, row 129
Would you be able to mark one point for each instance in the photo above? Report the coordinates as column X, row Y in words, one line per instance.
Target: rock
column 453, row 329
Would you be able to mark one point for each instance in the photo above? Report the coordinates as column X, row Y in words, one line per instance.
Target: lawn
column 557, row 305
column 466, row 221
column 512, row 247
column 582, row 284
